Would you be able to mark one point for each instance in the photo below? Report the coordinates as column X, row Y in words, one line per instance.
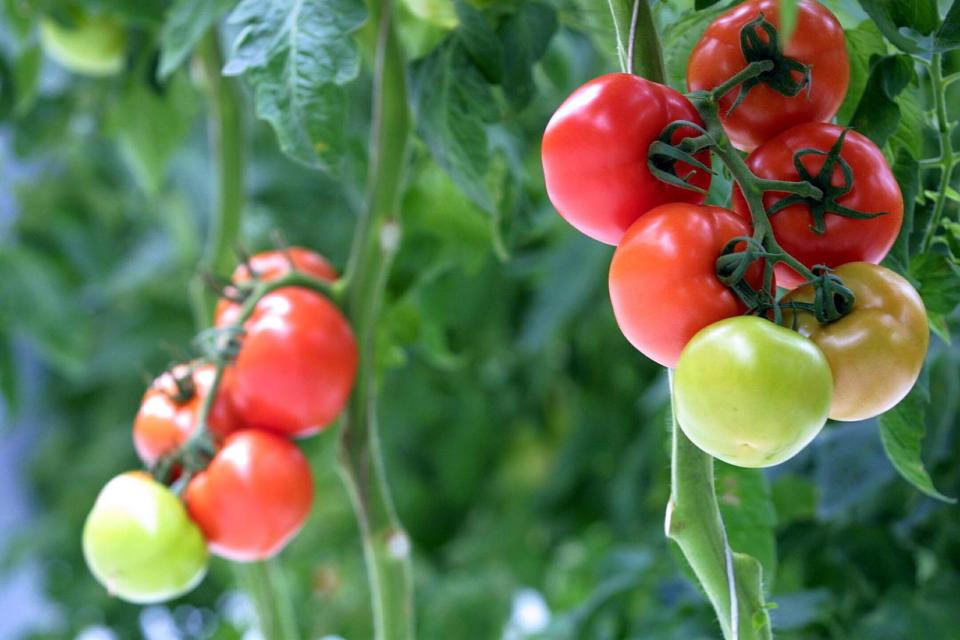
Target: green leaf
column 939, row 281
column 878, row 115
column 905, row 23
column 788, row 19
column 9, row 382
column 525, row 36
column 863, row 43
column 909, row 133
column 907, row 172
column 679, row 38
column 296, row 55
column 703, row 4
column 948, row 36
column 746, row 504
column 186, row 23
column 452, row 103
column 902, row 430
column 480, row 41
column 149, row 127
column 26, row 78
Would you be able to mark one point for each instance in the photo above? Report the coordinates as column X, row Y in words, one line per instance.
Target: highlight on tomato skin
column 873, row 189
column 253, row 498
column 817, row 41
column 750, row 392
column 663, row 282
column 594, row 154
column 139, row 542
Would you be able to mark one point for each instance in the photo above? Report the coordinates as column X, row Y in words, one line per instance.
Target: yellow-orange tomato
column 877, row 350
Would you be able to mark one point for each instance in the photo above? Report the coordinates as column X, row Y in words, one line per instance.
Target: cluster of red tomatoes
column 747, row 390
column 252, row 489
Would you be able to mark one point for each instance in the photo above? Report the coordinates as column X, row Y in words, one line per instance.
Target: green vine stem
column 948, row 160
column 387, row 548
column 266, row 586
column 228, row 156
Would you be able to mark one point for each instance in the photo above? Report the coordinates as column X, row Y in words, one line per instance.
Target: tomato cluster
column 773, row 311
column 245, row 488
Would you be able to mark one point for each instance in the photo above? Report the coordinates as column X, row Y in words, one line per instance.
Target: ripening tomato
column 271, row 265
column 595, row 153
column 873, row 189
column 168, row 413
column 94, row 45
column 254, row 496
column 140, row 544
column 296, row 365
column 663, row 282
column 817, row 41
column 877, row 350
column 751, row 393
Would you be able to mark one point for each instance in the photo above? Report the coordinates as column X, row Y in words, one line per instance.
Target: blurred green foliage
column 526, row 441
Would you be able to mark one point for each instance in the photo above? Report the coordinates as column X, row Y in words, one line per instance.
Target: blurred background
column 526, row 441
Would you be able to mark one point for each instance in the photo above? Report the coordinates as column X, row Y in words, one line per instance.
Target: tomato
column 877, row 350
column 93, row 45
column 165, row 420
column 139, row 542
column 296, row 365
column 750, row 392
column 254, row 496
column 663, row 282
column 817, row 41
column 272, row 265
column 595, row 153
column 874, row 189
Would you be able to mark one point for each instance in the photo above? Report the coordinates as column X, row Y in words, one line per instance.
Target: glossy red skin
column 817, row 40
column 846, row 239
column 296, row 365
column 270, row 265
column 663, row 283
column 595, row 153
column 162, row 424
column 254, row 496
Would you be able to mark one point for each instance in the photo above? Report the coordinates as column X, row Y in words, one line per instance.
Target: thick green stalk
column 227, row 153
column 385, row 543
column 638, row 42
column 947, row 157
column 266, row 586
column 732, row 581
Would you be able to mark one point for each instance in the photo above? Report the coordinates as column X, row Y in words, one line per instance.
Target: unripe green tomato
column 750, row 392
column 139, row 542
column 94, row 45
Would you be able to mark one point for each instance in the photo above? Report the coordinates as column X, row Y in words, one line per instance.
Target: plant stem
column 227, row 152
column 266, row 586
column 385, row 543
column 946, row 147
column 732, row 581
column 638, row 42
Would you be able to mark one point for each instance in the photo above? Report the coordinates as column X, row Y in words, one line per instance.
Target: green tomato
column 139, row 542
column 93, row 45
column 752, row 393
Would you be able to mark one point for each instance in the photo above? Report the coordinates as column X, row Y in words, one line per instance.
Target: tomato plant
column 139, row 542
column 663, row 282
column 877, row 350
column 751, row 393
column 254, row 496
column 595, row 154
column 296, row 366
column 782, row 97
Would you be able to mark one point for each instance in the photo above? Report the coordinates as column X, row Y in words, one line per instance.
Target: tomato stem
column 947, row 158
column 749, row 72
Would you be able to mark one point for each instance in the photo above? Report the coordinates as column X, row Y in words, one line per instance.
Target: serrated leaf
column 296, row 55
column 746, row 504
column 939, row 281
column 185, row 24
column 948, row 35
column 480, row 40
column 525, row 36
column 452, row 104
column 902, row 430
column 878, row 115
column 905, row 23
column 863, row 43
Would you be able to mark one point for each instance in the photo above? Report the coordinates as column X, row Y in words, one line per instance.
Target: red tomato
column 296, row 365
column 270, row 265
column 663, row 282
column 874, row 189
column 595, row 153
column 817, row 41
column 254, row 496
column 165, row 420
